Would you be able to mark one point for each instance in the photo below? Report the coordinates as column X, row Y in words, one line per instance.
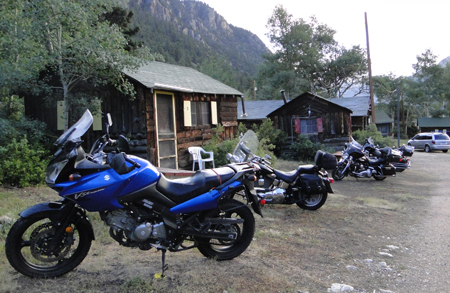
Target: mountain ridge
column 198, row 22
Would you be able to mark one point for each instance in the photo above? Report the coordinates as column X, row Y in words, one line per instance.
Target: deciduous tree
column 307, row 58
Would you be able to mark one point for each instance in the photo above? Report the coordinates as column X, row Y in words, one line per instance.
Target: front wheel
column 338, row 172
column 427, row 149
column 31, row 251
column 220, row 249
column 313, row 202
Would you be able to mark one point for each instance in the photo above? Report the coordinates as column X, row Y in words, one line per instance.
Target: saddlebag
column 325, row 160
column 395, row 156
column 311, row 184
column 408, row 151
column 389, row 170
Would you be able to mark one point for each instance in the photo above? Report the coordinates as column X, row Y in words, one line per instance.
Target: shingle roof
column 258, row 110
column 382, row 117
column 432, row 122
column 163, row 76
column 359, row 105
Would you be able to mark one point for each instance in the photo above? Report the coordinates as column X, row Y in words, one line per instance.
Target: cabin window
column 200, row 113
column 308, row 126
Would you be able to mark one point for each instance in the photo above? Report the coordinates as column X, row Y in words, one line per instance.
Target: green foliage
column 13, row 123
column 65, row 44
column 307, row 58
column 273, row 138
column 378, row 139
column 22, row 164
column 221, row 147
column 267, row 136
column 305, row 149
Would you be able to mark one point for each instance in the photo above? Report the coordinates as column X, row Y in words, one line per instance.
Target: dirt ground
column 373, row 236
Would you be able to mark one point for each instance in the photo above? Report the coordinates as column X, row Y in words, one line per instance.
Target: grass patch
column 137, row 285
column 380, row 203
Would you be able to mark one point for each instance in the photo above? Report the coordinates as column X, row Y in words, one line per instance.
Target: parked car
column 430, row 141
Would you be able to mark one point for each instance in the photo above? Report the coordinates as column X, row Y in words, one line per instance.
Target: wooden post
column 372, row 104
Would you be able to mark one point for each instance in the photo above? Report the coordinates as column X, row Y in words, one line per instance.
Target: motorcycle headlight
column 53, row 171
column 345, row 156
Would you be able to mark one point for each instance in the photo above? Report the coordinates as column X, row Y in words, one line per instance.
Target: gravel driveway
column 426, row 263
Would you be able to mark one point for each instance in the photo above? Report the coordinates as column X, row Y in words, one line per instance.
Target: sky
column 399, row 30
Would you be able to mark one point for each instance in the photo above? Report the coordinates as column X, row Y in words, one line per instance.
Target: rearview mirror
column 108, row 117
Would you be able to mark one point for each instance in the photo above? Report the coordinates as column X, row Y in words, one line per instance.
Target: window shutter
column 60, row 107
column 213, row 112
column 97, row 125
column 187, row 113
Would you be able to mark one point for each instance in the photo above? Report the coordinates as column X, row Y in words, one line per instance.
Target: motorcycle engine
column 122, row 220
column 273, row 196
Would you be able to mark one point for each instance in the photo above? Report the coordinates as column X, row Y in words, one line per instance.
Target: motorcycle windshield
column 78, row 129
column 354, row 143
column 247, row 146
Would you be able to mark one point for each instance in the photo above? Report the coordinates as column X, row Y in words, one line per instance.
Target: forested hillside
column 190, row 33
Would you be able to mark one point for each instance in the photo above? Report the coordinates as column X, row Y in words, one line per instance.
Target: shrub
column 266, row 136
column 378, row 139
column 22, row 164
column 271, row 136
column 305, row 149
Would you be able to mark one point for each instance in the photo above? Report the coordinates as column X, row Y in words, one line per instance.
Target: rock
column 335, row 287
column 392, row 247
column 352, row 268
column 385, row 254
column 5, row 220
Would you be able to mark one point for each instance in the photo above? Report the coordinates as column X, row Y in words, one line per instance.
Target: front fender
column 56, row 211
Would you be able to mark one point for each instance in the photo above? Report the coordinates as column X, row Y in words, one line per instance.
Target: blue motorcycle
column 141, row 206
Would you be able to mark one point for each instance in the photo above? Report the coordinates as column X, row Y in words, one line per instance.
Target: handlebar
column 135, row 164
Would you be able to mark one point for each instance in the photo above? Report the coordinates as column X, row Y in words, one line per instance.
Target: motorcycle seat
column 290, row 176
column 183, row 189
column 386, row 151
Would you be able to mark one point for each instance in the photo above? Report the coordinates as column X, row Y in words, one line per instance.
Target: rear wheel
column 227, row 249
column 338, row 172
column 29, row 248
column 444, row 151
column 313, row 202
column 427, row 148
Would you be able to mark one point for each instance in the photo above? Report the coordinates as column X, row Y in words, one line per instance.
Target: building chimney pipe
column 283, row 96
column 244, row 114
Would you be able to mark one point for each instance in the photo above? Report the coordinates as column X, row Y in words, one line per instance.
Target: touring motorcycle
column 141, row 206
column 365, row 161
column 404, row 162
column 307, row 186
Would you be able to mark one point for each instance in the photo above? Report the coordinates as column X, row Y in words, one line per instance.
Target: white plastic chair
column 196, row 153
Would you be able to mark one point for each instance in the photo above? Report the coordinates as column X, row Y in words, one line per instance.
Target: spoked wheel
column 338, row 172
column 221, row 249
column 313, row 202
column 30, row 251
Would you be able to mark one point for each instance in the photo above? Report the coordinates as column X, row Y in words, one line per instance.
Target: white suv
column 430, row 141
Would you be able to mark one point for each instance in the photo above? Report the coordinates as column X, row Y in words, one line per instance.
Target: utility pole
column 372, row 104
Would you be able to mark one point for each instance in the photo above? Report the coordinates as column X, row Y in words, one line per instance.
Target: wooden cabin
column 314, row 116
column 175, row 107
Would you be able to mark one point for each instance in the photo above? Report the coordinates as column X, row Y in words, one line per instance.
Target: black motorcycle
column 307, row 186
column 404, row 162
column 365, row 161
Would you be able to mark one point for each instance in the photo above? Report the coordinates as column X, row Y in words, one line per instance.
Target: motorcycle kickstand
column 164, row 266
